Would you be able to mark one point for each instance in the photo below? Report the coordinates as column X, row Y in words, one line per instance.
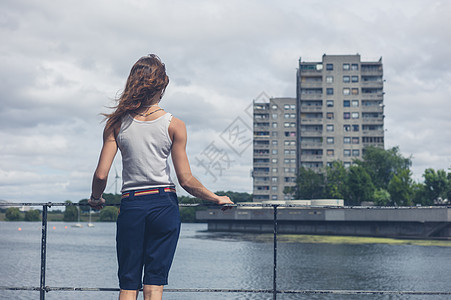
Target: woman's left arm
column 107, row 155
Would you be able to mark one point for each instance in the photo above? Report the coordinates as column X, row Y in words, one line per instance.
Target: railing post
column 43, row 252
column 275, row 255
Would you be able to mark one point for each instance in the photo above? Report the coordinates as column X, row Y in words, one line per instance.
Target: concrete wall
column 433, row 222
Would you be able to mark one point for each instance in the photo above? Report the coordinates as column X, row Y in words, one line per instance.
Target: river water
column 85, row 257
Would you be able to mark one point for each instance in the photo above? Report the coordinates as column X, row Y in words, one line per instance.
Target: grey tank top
column 145, row 147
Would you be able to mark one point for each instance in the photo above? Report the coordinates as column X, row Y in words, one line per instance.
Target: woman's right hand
column 222, row 200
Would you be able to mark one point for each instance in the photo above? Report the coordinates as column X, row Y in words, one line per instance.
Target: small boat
column 89, row 223
column 78, row 225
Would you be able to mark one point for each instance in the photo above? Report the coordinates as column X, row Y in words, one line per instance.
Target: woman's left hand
column 96, row 203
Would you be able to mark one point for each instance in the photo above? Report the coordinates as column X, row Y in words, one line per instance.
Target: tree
column 309, row 185
column 381, row 197
column 400, row 188
column 12, row 214
column 84, row 208
column 335, row 180
column 109, row 214
column 436, row 184
column 33, row 215
column 70, row 213
column 382, row 164
column 359, row 186
column 419, row 194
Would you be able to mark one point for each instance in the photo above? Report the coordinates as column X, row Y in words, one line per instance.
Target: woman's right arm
column 177, row 132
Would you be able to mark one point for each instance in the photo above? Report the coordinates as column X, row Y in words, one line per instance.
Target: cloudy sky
column 64, row 62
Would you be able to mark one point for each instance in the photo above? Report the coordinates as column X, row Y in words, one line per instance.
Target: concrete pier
column 399, row 222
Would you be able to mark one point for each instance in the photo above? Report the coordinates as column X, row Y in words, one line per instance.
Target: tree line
column 381, row 176
column 110, row 213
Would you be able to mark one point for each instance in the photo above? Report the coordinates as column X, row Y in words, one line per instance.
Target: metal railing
column 43, row 289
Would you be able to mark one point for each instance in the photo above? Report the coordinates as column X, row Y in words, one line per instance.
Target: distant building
column 274, row 165
column 338, row 110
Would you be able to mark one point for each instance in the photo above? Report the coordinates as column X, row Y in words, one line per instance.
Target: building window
column 346, row 103
column 329, row 91
column 274, row 170
column 274, row 151
column 355, row 152
column 329, row 79
column 346, row 164
column 355, row 78
column 274, row 133
column 355, row 140
column 330, row 127
column 355, row 127
column 346, row 79
column 274, row 125
column 354, row 67
column 346, row 152
column 286, row 116
column 346, row 128
column 274, row 116
column 273, row 179
column 286, row 106
column 355, row 91
column 346, row 91
column 293, row 116
column 274, row 197
column 330, row 152
column 274, row 160
column 330, row 103
column 330, row 140
column 355, row 115
column 346, row 140
column 330, row 115
column 286, row 124
column 293, row 106
column 346, row 67
column 346, row 115
column 274, row 107
column 274, row 142
column 355, row 103
column 329, row 67
column 274, row 188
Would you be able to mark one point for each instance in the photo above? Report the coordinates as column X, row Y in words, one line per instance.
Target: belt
column 149, row 192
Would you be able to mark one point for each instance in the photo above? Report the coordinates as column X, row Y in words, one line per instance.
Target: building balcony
column 372, row 84
column 372, row 108
column 317, row 96
column 311, row 108
column 311, row 157
column 261, row 154
column 260, row 192
column 372, row 96
column 311, row 145
column 373, row 132
column 311, row 120
column 373, row 120
column 263, row 146
column 261, row 137
column 380, row 145
column 312, row 133
column 262, row 127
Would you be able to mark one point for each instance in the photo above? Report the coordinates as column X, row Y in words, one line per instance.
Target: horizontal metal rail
column 250, row 291
column 43, row 289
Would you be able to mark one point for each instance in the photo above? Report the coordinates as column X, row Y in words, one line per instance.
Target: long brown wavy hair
column 146, row 80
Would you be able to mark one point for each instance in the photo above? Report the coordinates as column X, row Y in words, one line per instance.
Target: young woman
column 148, row 224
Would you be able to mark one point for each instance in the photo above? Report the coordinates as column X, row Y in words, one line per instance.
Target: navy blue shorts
column 148, row 228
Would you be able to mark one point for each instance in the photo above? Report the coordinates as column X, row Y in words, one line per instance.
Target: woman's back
column 145, row 146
